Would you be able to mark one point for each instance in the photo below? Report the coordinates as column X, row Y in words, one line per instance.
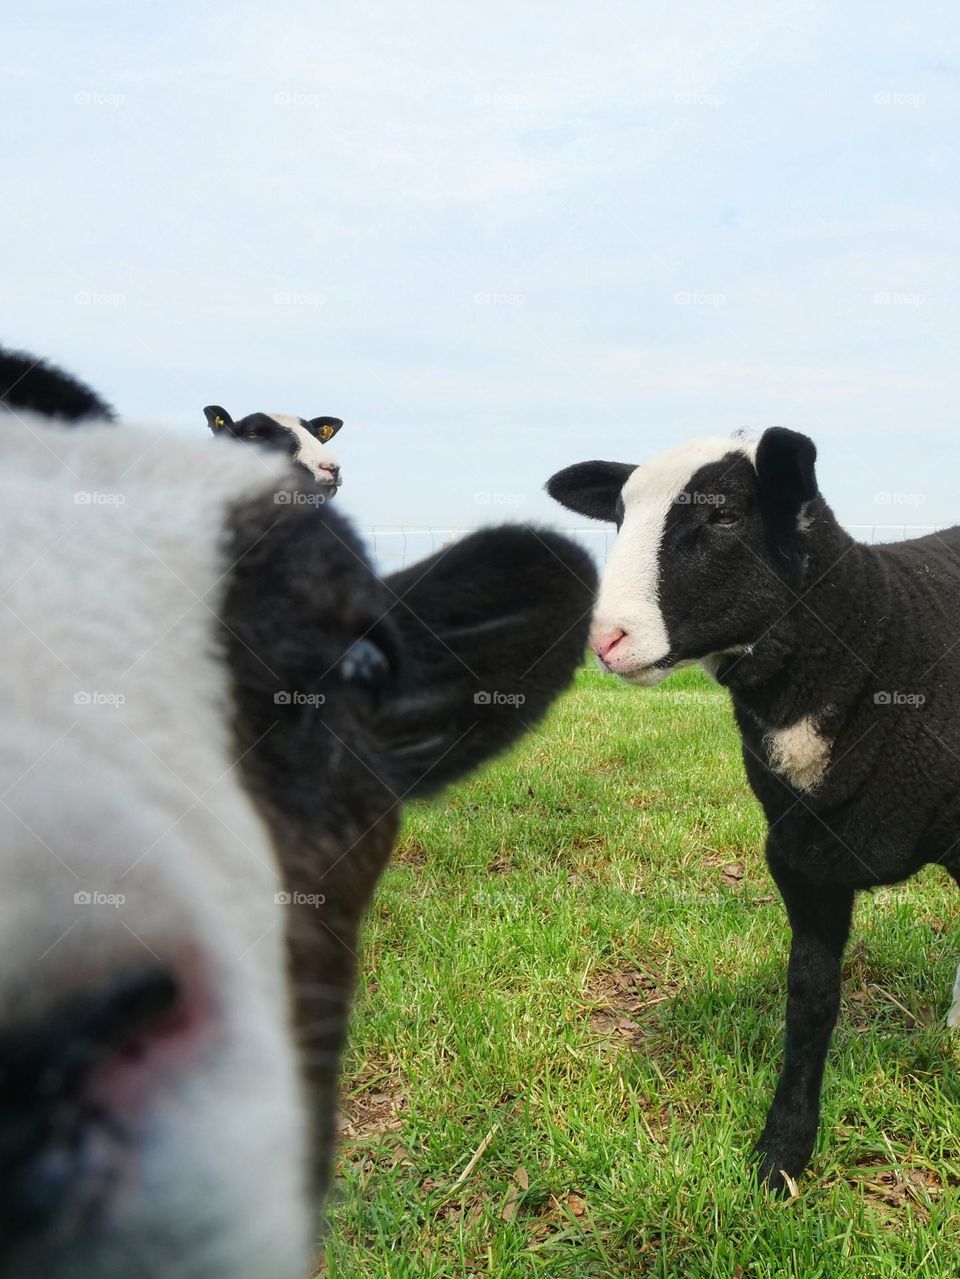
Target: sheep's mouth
column 327, row 483
column 655, row 672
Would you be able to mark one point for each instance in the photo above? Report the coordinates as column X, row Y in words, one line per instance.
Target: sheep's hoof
column 773, row 1170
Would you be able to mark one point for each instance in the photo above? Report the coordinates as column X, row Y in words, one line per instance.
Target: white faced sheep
column 305, row 441
column 843, row 664
column 212, row 711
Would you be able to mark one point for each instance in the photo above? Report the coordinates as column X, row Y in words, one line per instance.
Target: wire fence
column 394, row 546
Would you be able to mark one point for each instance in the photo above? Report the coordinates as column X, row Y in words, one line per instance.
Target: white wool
column 800, row 752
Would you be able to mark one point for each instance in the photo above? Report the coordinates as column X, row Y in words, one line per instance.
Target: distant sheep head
column 305, row 440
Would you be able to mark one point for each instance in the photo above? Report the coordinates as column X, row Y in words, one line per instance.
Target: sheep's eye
column 365, row 663
column 725, row 516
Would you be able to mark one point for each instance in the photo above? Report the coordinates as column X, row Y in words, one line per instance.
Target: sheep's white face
column 629, row 603
column 131, row 847
column 211, row 709
column 310, row 453
column 694, row 573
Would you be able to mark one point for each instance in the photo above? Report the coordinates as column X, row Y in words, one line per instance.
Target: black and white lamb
column 843, row 664
column 212, row 712
column 304, row 440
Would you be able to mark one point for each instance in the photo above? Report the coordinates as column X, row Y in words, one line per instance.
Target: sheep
column 29, row 383
column 843, row 666
column 213, row 711
column 305, row 441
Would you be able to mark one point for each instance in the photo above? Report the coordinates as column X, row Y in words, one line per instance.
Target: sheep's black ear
column 786, row 472
column 491, row 630
column 591, row 488
column 325, row 428
column 217, row 418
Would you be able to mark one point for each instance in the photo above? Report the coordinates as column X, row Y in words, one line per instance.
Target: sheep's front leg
column 820, row 920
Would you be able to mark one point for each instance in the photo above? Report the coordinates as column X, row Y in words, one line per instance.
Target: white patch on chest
column 800, row 752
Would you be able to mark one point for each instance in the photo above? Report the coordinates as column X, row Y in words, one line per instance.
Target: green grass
column 565, row 952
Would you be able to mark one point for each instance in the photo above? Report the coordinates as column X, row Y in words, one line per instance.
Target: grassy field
column 580, row 952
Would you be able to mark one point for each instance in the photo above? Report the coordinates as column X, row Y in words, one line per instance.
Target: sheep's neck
column 817, row 656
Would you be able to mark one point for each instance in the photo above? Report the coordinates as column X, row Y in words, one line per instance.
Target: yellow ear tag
column 218, row 421
column 326, row 433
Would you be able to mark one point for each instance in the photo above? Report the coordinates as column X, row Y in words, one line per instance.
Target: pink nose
column 604, row 645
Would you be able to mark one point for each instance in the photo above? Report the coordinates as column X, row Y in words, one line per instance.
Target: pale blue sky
column 500, row 238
